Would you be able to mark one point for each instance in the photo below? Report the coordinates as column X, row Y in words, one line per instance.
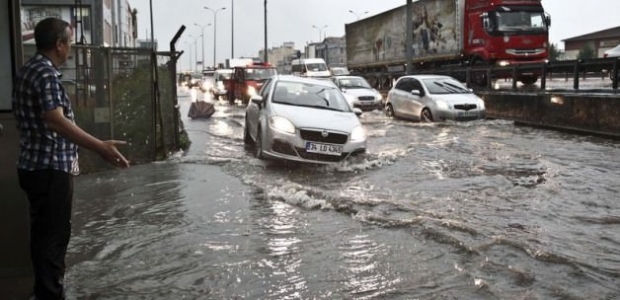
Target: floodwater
column 476, row 210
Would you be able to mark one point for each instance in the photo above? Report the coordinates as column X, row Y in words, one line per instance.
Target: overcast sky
column 293, row 21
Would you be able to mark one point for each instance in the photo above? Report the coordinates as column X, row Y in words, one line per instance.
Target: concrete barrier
column 596, row 114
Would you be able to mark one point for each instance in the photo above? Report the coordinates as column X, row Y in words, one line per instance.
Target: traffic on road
column 481, row 209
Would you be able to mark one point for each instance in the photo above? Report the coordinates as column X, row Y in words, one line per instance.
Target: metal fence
column 117, row 94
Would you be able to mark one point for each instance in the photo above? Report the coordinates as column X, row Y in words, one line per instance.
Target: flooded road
column 477, row 210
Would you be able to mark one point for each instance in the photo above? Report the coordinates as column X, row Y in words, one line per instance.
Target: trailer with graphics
column 450, row 33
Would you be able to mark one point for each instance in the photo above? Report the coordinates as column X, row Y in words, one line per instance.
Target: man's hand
column 110, row 153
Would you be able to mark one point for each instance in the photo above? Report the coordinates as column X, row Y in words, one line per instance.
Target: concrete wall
column 593, row 114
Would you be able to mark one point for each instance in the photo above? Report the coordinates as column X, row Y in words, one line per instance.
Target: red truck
column 451, row 32
column 247, row 80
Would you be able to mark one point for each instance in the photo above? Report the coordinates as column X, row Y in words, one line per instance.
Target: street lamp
column 215, row 29
column 195, row 51
column 358, row 15
column 320, row 29
column 202, row 28
column 232, row 29
column 189, row 56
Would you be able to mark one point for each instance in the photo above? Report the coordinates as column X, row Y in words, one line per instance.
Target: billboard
column 31, row 15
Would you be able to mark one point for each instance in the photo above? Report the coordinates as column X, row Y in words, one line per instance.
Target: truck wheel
column 528, row 80
column 479, row 77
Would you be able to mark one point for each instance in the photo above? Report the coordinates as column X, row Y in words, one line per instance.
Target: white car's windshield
column 309, row 95
column 352, row 83
column 445, row 86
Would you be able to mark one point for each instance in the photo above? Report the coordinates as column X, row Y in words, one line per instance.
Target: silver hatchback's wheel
column 258, row 146
column 426, row 115
column 389, row 111
column 247, row 139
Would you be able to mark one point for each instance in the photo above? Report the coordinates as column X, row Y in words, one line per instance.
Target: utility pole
column 232, row 29
column 265, row 54
column 409, row 39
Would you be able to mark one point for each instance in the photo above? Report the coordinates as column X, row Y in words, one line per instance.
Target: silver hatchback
column 359, row 93
column 303, row 119
column 433, row 98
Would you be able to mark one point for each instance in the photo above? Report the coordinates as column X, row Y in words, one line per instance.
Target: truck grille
column 317, row 136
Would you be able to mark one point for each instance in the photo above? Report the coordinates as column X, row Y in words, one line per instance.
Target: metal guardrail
column 576, row 69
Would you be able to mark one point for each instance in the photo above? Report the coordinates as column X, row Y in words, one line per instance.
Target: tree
column 554, row 52
column 587, row 52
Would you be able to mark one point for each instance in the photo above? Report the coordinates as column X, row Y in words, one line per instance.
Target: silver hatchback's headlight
column 358, row 134
column 281, row 124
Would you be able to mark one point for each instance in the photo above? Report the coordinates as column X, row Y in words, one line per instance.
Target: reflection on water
column 476, row 210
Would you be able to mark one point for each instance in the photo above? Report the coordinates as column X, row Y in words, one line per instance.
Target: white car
column 219, row 86
column 359, row 93
column 433, row 98
column 303, row 119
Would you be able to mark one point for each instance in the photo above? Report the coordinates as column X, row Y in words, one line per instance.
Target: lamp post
column 232, row 29
column 189, row 56
column 320, row 29
column 195, row 51
column 215, row 29
column 202, row 28
column 358, row 15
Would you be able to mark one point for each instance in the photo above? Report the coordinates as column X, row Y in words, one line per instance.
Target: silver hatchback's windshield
column 445, row 86
column 309, row 95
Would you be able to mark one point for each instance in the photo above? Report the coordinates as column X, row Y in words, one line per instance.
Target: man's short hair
column 49, row 31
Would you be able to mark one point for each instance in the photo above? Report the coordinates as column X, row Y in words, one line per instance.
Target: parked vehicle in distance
column 433, row 98
column 303, row 119
column 358, row 92
column 338, row 71
column 247, row 80
column 219, row 78
column 208, row 81
column 613, row 52
column 310, row 67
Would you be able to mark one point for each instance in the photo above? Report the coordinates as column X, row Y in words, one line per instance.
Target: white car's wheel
column 389, row 111
column 258, row 146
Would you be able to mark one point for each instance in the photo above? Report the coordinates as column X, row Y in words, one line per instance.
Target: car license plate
column 468, row 114
column 323, row 148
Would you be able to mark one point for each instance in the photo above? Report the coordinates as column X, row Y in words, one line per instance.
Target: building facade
column 281, row 57
column 599, row 41
column 332, row 49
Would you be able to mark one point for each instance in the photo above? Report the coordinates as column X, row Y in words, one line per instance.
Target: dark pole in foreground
column 265, row 55
column 409, row 39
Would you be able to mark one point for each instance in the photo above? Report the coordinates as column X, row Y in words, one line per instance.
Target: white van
column 310, row 67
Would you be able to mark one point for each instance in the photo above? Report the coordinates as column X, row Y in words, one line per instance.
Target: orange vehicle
column 247, row 80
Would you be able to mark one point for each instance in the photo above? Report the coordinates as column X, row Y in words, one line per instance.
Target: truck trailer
column 450, row 32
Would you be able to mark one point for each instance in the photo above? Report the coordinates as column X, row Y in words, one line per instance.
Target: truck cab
column 247, row 80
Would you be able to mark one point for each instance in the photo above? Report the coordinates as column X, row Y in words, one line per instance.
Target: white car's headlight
column 379, row 96
column 251, row 91
column 282, row 124
column 481, row 104
column 443, row 105
column 358, row 134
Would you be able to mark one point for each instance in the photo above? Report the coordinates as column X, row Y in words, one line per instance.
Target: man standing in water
column 49, row 140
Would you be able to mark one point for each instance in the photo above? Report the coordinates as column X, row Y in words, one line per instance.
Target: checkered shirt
column 38, row 89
